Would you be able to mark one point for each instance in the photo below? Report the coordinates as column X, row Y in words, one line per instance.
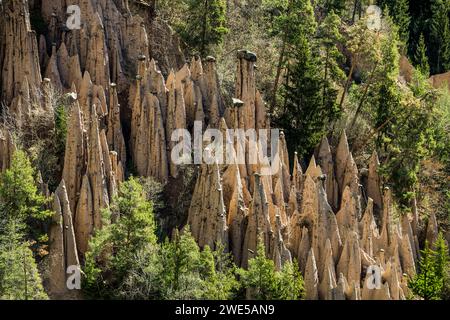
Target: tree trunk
column 204, row 27
column 347, row 83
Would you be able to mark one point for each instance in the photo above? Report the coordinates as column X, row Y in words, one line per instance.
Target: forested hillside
column 132, row 141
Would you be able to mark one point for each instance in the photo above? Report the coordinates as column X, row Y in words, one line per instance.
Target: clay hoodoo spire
column 150, row 146
column 97, row 61
column 207, row 215
column 246, row 89
column 258, row 223
column 18, row 50
column 374, row 182
column 7, row 148
column 63, row 248
column 280, row 253
column 214, row 104
column 342, row 154
column 75, row 154
column 311, row 278
column 176, row 115
column 325, row 160
column 116, row 141
column 96, row 170
column 93, row 180
column 52, row 71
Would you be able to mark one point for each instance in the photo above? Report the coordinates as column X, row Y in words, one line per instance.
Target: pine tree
column 442, row 258
column 337, row 6
column 333, row 77
column 263, row 282
column 400, row 14
column 439, row 31
column 311, row 86
column 433, row 265
column 219, row 274
column 21, row 205
column 260, row 278
column 204, row 25
column 399, row 11
column 181, row 259
column 290, row 283
column 113, row 249
column 296, row 22
column 19, row 275
column 421, row 58
column 304, row 114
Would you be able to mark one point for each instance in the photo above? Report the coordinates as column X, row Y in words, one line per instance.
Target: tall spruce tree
column 311, row 77
column 204, row 25
column 295, row 21
column 337, row 6
column 439, row 31
column 304, row 113
column 113, row 249
column 430, row 281
column 399, row 11
column 263, row 282
column 420, row 57
column 19, row 275
column 20, row 207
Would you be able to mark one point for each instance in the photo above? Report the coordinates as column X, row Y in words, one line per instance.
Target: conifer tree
column 219, row 273
column 295, row 22
column 181, row 259
column 304, row 113
column 311, row 85
column 263, row 282
column 421, row 58
column 20, row 206
column 439, row 31
column 399, row 11
column 260, row 278
column 204, row 25
column 113, row 249
column 442, row 258
column 19, row 275
column 433, row 271
column 337, row 6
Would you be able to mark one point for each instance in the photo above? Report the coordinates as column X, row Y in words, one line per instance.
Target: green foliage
column 431, row 18
column 439, row 32
column 295, row 19
column 263, row 282
column 180, row 277
column 60, row 128
column 125, row 261
column 408, row 137
column 191, row 274
column 421, row 58
column 21, row 205
column 114, row 247
column 19, row 276
column 21, row 212
column 312, row 78
column 430, row 283
column 337, row 6
column 304, row 114
column 399, row 11
column 204, row 25
column 311, row 87
column 220, row 272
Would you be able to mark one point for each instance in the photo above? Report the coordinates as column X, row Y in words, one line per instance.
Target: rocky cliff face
column 339, row 227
